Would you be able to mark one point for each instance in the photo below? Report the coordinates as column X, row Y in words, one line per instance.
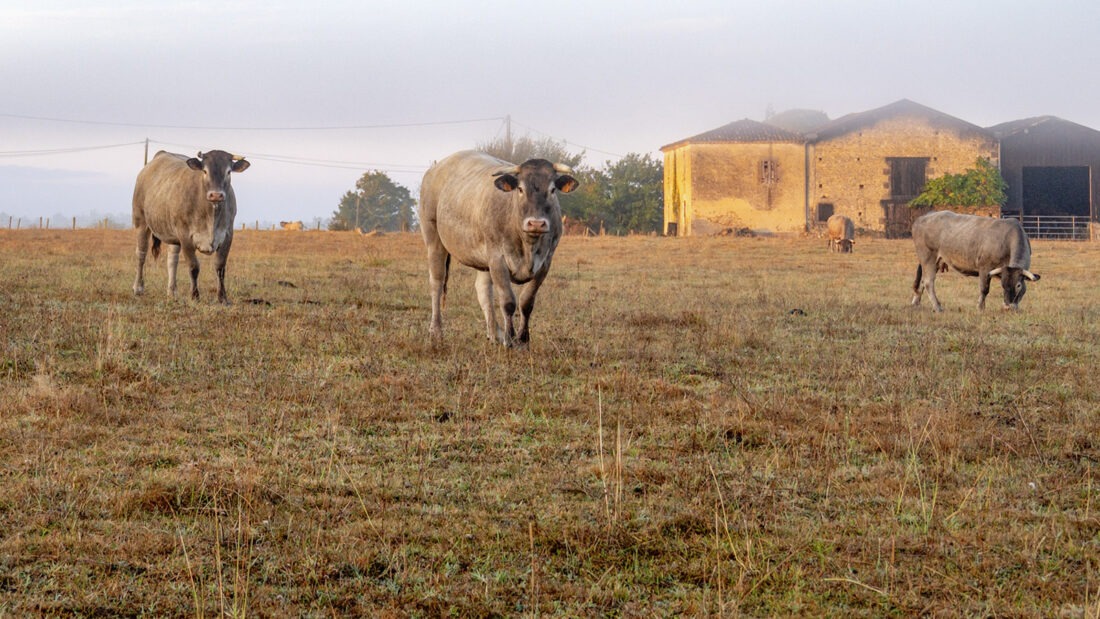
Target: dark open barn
column 1049, row 164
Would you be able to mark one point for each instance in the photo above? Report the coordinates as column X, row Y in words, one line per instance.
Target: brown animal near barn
column 981, row 247
column 187, row 203
column 501, row 219
column 842, row 234
column 291, row 225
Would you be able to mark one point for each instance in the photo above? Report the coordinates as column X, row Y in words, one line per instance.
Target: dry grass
column 676, row 441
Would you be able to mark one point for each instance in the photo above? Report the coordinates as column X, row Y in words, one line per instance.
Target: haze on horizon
column 316, row 94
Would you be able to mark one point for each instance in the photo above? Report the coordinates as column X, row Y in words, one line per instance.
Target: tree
column 377, row 204
column 979, row 186
column 637, row 193
column 625, row 196
column 522, row 149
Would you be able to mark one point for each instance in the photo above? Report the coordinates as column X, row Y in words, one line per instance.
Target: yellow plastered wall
column 710, row 188
column 851, row 171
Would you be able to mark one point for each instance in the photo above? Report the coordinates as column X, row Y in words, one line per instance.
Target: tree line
column 618, row 198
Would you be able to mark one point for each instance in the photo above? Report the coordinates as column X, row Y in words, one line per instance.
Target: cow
column 189, row 204
column 501, row 219
column 972, row 245
column 842, row 234
column 291, row 225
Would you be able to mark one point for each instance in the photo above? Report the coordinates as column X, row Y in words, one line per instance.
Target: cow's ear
column 195, row 164
column 506, row 182
column 566, row 183
column 240, row 165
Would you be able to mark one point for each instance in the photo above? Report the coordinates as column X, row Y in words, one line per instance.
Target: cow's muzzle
column 536, row 225
column 216, row 197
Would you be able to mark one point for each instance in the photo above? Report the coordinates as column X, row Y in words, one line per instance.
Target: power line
column 62, row 151
column 587, row 148
column 215, row 128
column 321, row 163
column 325, row 163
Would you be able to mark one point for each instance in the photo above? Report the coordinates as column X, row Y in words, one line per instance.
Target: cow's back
column 165, row 193
column 841, row 228
column 971, row 241
column 458, row 200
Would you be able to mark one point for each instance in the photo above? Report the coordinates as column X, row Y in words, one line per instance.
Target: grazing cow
column 499, row 218
column 842, row 234
column 291, row 225
column 187, row 203
column 975, row 246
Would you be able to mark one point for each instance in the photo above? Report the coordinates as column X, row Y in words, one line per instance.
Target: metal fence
column 1063, row 227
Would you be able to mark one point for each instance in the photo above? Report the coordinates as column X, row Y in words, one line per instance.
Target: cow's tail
column 916, row 282
column 446, row 276
column 155, row 250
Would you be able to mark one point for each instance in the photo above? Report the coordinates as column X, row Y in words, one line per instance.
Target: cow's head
column 537, row 181
column 209, row 230
column 1014, row 281
column 215, row 167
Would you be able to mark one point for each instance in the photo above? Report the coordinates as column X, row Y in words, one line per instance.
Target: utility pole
column 508, row 134
column 146, row 151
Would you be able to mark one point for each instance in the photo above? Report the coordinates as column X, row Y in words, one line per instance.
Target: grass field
column 675, row 442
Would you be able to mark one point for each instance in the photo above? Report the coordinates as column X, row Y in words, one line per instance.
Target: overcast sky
column 316, row 93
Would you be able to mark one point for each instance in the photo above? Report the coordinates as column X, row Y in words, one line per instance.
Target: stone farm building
column 868, row 166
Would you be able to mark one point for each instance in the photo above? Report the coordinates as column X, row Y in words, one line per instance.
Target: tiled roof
column 858, row 120
column 748, row 131
column 1014, row 127
column 741, row 131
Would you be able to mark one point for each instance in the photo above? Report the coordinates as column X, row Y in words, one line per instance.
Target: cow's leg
column 983, row 289
column 484, row 286
column 927, row 267
column 526, row 306
column 142, row 248
column 438, row 267
column 926, row 280
column 219, row 265
column 505, row 298
column 193, row 264
column 172, row 260
column 930, row 285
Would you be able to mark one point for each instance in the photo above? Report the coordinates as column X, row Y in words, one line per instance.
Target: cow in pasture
column 975, row 246
column 187, row 203
column 497, row 217
column 842, row 234
column 291, row 225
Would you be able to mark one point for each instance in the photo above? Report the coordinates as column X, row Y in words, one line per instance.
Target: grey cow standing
column 497, row 217
column 187, row 203
column 972, row 245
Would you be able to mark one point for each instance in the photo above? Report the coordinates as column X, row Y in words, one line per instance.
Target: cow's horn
column 503, row 171
column 199, row 156
column 1030, row 275
column 561, row 168
column 996, row 271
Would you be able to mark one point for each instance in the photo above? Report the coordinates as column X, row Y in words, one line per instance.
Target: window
column 824, row 211
column 907, row 176
column 769, row 172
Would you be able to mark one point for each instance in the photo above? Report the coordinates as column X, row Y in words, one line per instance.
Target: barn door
column 907, row 177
